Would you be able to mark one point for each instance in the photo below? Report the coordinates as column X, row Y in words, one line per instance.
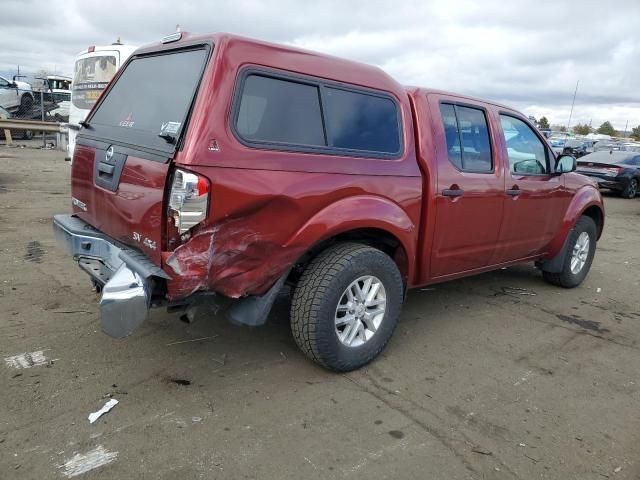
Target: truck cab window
column 467, row 137
column 526, row 152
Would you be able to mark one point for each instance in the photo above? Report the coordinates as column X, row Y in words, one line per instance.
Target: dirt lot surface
column 496, row 376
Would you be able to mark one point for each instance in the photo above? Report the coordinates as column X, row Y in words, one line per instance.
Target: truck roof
column 426, row 91
column 308, row 62
column 300, row 60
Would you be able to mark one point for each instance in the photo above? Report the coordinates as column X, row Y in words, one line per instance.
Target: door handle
column 514, row 192
column 450, row 192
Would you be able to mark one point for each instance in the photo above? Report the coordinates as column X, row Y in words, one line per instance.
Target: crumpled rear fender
column 248, row 254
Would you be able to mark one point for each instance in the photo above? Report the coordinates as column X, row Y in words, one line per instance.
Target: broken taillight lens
column 188, row 200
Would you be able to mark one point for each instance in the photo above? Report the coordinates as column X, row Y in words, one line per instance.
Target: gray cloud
column 523, row 53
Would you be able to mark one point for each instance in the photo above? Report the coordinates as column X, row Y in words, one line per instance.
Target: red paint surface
column 136, row 206
column 267, row 208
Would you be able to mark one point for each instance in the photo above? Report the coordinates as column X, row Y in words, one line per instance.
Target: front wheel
column 581, row 249
column 346, row 306
column 632, row 189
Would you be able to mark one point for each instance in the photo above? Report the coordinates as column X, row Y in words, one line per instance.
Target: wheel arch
column 587, row 201
column 373, row 221
column 597, row 215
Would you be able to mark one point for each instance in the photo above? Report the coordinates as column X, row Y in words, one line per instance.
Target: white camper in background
column 94, row 69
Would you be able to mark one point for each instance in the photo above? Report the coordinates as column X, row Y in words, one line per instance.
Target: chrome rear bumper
column 125, row 275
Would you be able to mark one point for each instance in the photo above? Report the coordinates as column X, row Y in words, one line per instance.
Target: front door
column 470, row 186
column 534, row 196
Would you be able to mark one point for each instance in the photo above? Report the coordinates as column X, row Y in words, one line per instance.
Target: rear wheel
column 26, row 102
column 581, row 249
column 632, row 189
column 346, row 306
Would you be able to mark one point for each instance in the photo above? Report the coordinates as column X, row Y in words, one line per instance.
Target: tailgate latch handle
column 106, row 168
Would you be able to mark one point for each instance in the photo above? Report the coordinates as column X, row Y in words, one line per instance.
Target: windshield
column 150, row 98
column 92, row 74
column 58, row 84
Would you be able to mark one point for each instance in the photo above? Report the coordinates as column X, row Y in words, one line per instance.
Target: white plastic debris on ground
column 27, row 359
column 83, row 462
column 107, row 406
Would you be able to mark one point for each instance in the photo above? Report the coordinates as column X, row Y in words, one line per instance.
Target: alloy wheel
column 360, row 311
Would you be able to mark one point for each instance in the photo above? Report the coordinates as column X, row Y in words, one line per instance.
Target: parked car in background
column 60, row 92
column 21, row 134
column 272, row 165
column 615, row 170
column 15, row 95
column 574, row 147
column 546, row 132
column 616, row 146
column 557, row 143
column 631, row 147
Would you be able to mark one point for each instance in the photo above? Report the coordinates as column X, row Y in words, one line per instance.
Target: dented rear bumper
column 125, row 276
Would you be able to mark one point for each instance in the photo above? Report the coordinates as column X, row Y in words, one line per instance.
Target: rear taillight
column 188, row 200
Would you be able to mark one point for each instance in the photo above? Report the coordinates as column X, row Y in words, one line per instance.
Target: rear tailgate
column 123, row 158
column 133, row 213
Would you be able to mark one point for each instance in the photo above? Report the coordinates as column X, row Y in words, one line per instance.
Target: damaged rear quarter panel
column 250, row 237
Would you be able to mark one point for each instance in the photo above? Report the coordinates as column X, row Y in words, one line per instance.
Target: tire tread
column 312, row 286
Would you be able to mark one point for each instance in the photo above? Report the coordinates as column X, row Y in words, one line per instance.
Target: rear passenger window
column 467, row 137
column 358, row 121
column 275, row 110
column 316, row 115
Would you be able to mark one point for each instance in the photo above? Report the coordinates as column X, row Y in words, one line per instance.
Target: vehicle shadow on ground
column 273, row 342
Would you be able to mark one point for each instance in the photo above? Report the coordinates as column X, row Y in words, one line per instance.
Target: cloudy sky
column 528, row 54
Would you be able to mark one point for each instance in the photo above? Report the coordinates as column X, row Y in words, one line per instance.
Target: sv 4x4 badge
column 150, row 244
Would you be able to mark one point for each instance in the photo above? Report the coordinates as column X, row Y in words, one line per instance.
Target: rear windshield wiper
column 169, row 138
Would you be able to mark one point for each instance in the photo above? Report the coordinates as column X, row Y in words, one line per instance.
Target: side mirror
column 13, row 85
column 565, row 164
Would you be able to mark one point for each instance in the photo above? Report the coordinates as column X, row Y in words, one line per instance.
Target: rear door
column 122, row 159
column 535, row 198
column 470, row 184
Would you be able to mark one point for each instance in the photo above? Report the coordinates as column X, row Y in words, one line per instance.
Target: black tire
column 27, row 134
column 631, row 190
column 566, row 278
column 318, row 292
column 26, row 102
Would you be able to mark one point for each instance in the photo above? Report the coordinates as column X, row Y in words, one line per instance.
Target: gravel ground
column 495, row 376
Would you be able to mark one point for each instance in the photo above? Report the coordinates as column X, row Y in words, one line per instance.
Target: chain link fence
column 39, row 97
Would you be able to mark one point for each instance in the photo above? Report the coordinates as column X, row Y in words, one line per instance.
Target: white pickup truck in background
column 15, row 95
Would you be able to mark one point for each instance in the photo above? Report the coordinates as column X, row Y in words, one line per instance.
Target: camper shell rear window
column 150, row 101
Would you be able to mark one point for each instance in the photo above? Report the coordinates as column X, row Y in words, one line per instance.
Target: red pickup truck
column 222, row 166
